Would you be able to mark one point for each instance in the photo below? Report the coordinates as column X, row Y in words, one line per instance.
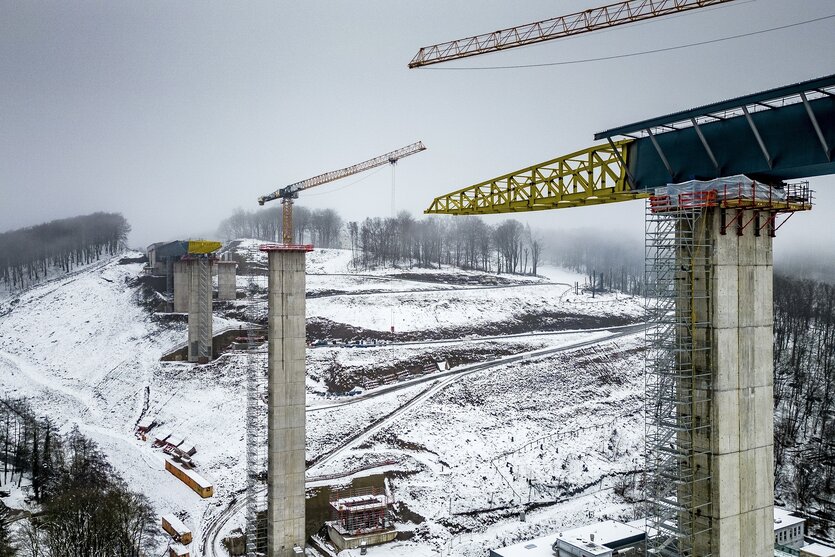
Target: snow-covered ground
column 85, row 352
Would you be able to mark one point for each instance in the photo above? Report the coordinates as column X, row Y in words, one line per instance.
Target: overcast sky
column 177, row 113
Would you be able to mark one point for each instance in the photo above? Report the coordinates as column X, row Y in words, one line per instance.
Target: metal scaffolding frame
column 358, row 511
column 256, row 448
column 204, row 316
column 678, row 377
column 679, row 367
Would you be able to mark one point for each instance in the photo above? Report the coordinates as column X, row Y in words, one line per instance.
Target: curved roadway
column 210, row 545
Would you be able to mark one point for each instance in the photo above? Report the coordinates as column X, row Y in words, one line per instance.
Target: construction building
column 601, row 539
column 163, row 261
column 192, row 479
column 178, row 531
column 788, row 530
column 360, row 518
column 709, row 368
column 816, row 550
column 175, row 262
column 612, row 538
column 187, row 267
column 199, row 270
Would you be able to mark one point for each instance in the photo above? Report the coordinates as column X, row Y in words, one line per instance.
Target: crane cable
column 393, row 224
column 368, row 175
column 631, row 54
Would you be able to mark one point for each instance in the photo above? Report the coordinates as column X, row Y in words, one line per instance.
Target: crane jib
column 619, row 13
column 291, row 191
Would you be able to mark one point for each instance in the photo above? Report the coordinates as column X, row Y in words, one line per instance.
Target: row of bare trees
column 804, row 392
column 608, row 260
column 322, row 227
column 467, row 243
column 86, row 508
column 29, row 255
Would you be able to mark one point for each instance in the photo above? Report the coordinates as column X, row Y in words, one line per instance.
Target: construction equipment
column 288, row 193
column 719, row 170
column 721, row 139
column 588, row 177
column 619, row 13
column 202, row 247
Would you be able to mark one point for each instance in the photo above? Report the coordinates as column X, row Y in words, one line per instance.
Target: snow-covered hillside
column 555, row 416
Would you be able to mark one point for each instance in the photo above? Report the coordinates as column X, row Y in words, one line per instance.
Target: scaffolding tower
column 256, row 448
column 678, row 376
column 204, row 317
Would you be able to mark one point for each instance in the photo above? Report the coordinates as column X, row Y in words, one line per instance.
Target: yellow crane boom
column 588, row 177
column 619, row 13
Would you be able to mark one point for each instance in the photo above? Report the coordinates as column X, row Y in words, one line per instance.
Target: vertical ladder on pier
column 204, row 345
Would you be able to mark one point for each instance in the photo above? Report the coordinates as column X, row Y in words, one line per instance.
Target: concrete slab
column 182, row 286
column 226, row 286
column 726, row 485
column 726, row 536
column 726, row 422
column 725, row 354
column 725, row 296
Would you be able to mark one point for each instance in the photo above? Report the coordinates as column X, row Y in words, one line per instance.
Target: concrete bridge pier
column 286, row 394
column 226, row 286
column 731, row 388
column 182, row 286
column 199, row 309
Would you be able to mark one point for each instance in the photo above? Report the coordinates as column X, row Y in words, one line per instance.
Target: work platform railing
column 763, row 203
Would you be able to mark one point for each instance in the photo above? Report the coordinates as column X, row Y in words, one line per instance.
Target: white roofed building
column 788, row 530
column 601, row 539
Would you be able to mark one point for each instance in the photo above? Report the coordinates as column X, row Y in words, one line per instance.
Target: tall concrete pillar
column 736, row 451
column 200, row 310
column 226, row 286
column 182, row 286
column 286, row 393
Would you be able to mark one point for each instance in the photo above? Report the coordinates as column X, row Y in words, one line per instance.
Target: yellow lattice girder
column 203, row 246
column 588, row 177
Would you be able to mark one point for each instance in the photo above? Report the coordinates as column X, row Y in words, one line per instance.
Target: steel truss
column 591, row 176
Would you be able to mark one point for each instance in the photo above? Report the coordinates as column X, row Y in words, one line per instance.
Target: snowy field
column 469, row 447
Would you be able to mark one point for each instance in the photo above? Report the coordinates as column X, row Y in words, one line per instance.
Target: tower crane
column 590, row 176
column 691, row 491
column 290, row 192
column 611, row 15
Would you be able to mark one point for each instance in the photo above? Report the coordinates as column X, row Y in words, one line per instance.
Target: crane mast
column 586, row 21
column 290, row 192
